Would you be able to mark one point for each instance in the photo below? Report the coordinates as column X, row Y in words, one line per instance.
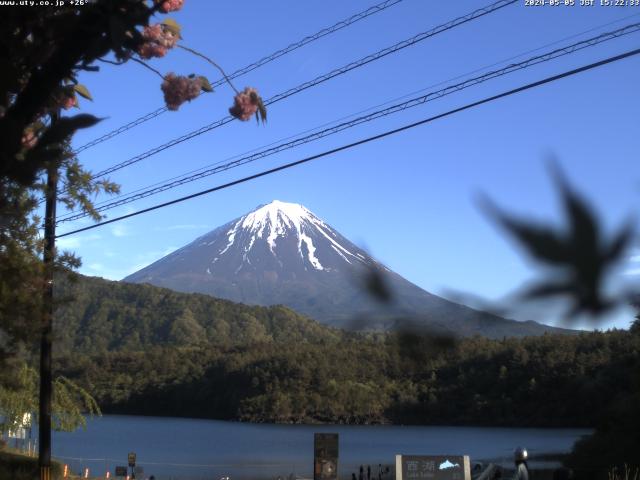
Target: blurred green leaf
column 262, row 111
column 171, row 25
column 580, row 255
column 66, row 127
column 82, row 91
column 206, row 85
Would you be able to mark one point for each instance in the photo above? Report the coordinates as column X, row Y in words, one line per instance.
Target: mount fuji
column 281, row 253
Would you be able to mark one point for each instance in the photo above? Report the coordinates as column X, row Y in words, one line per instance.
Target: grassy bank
column 18, row 466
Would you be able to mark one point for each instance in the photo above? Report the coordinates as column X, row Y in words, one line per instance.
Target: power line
column 365, row 140
column 318, row 80
column 294, row 46
column 393, row 109
column 123, row 128
column 628, row 29
column 252, row 66
column 345, row 117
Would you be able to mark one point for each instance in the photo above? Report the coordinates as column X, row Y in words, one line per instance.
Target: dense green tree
column 326, row 375
column 42, row 53
column 71, row 403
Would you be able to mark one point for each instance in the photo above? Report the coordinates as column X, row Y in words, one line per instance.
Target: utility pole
column 44, row 417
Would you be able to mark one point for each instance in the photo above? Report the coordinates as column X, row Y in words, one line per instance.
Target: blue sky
column 408, row 199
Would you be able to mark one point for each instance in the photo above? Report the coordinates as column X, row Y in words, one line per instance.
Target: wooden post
column 44, row 417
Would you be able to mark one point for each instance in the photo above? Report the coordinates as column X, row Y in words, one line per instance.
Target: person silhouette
column 522, row 469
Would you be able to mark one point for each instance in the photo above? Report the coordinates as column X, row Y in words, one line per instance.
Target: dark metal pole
column 44, row 417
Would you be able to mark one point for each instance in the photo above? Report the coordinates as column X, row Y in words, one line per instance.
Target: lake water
column 179, row 448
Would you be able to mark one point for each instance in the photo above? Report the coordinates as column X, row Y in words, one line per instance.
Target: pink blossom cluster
column 29, row 138
column 64, row 98
column 179, row 89
column 167, row 6
column 68, row 101
column 245, row 104
column 157, row 40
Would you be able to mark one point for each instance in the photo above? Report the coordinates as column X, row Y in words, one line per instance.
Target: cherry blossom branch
column 104, row 60
column 148, row 66
column 212, row 63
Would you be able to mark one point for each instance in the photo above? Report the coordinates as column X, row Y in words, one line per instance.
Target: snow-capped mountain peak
column 281, row 253
column 279, row 219
column 278, row 215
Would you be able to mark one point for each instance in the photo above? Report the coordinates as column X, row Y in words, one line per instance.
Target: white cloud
column 109, row 271
column 142, row 260
column 188, row 226
column 65, row 243
column 634, row 258
column 100, row 270
column 139, row 266
column 120, row 230
column 169, row 250
column 632, row 271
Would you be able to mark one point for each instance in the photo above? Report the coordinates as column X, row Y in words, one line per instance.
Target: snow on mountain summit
column 278, row 215
column 280, row 219
column 282, row 254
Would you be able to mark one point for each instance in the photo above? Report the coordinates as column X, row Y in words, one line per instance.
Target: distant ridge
column 281, row 253
column 114, row 316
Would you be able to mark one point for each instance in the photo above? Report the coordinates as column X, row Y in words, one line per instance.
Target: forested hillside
column 150, row 351
column 272, row 374
column 111, row 316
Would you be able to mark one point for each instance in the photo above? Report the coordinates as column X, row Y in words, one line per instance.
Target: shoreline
column 543, row 465
column 188, row 447
column 349, row 424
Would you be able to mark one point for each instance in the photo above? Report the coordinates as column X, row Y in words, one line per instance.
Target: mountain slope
column 281, row 253
column 115, row 316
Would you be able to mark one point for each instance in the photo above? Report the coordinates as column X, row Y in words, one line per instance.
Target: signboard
column 433, row 467
column 132, row 459
column 325, row 456
column 121, row 471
